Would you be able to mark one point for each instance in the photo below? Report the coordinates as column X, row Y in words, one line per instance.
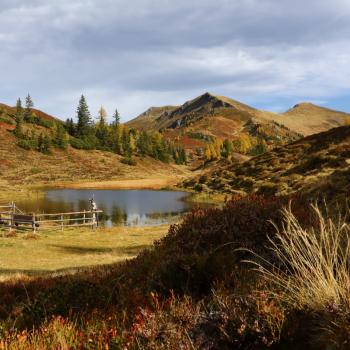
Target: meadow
column 24, row 255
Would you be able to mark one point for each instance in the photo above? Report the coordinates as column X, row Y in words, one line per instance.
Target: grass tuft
column 313, row 269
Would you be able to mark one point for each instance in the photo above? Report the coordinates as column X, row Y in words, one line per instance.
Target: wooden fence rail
column 16, row 219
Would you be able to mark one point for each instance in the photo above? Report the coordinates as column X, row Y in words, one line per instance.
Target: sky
column 133, row 54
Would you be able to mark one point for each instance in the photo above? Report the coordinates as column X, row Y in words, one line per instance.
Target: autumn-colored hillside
column 209, row 117
column 317, row 164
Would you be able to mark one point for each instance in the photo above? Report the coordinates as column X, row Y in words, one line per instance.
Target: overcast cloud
column 137, row 53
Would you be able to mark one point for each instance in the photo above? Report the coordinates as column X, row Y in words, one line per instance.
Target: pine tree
column 61, row 136
column 19, row 118
column 29, row 107
column 44, row 144
column 70, row 127
column 84, row 118
column 116, row 118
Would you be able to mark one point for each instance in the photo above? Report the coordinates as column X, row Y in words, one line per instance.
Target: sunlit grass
column 314, row 270
column 65, row 251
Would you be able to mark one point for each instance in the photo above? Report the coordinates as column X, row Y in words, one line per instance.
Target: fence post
column 84, row 218
column 34, row 224
column 12, row 213
column 93, row 219
column 62, row 222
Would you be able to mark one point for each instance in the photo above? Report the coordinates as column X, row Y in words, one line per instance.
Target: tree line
column 244, row 144
column 89, row 134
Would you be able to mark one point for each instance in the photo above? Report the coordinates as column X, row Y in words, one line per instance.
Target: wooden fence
column 13, row 218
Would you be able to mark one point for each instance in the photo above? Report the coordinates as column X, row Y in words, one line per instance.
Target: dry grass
column 314, row 268
column 67, row 251
column 19, row 167
column 308, row 118
column 152, row 183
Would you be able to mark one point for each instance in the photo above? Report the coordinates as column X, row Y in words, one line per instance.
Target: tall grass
column 313, row 264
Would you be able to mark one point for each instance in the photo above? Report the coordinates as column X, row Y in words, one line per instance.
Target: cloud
column 134, row 54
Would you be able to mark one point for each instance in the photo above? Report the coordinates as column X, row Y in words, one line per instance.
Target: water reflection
column 120, row 207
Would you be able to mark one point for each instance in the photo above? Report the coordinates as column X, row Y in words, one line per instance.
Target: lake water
column 120, row 207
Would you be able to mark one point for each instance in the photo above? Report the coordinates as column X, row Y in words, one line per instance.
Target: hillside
column 317, row 164
column 22, row 167
column 308, row 118
column 146, row 120
column 208, row 117
column 7, row 114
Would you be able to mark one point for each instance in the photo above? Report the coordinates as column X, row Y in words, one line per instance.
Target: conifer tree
column 29, row 107
column 70, row 127
column 19, row 118
column 44, row 144
column 84, row 118
column 60, row 137
column 116, row 117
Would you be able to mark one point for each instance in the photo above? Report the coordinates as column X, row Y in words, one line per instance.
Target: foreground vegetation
column 197, row 289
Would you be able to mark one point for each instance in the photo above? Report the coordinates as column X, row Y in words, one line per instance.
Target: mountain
column 209, row 117
column 317, row 164
column 146, row 120
column 307, row 118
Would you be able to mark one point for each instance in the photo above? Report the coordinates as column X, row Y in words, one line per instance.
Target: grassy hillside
column 309, row 119
column 317, row 164
column 20, row 167
column 24, row 164
column 7, row 114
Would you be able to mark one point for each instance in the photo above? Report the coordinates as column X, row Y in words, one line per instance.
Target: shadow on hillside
column 130, row 251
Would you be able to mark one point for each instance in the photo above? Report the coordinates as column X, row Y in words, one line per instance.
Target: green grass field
column 68, row 251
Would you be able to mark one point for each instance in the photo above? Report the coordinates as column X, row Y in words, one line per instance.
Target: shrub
column 128, row 161
column 82, row 143
column 27, row 144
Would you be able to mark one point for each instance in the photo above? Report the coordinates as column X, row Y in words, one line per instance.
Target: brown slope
column 9, row 111
column 308, row 119
column 317, row 164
